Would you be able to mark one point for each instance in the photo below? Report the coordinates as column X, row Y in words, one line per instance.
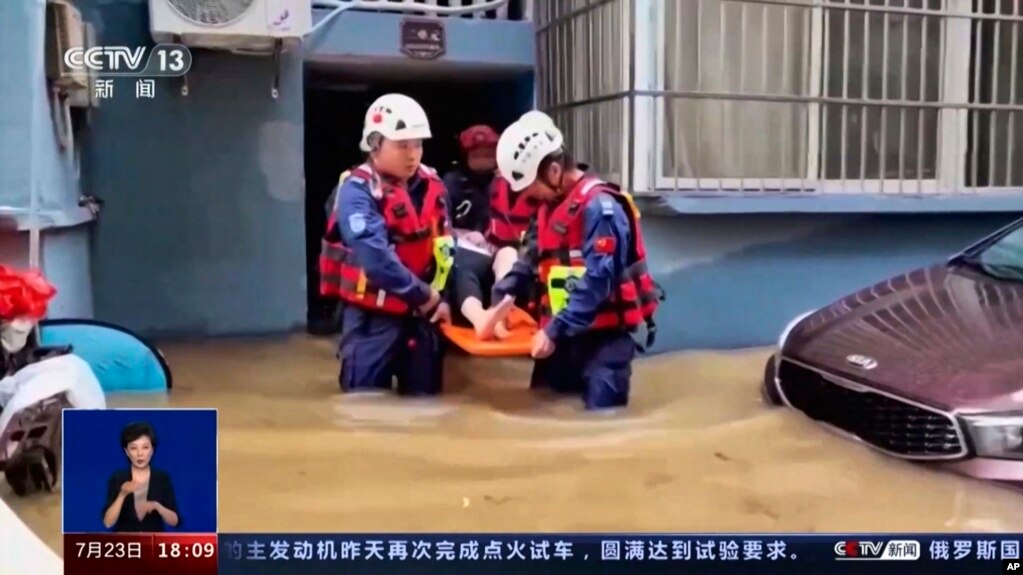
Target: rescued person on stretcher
column 489, row 221
column 387, row 255
column 587, row 253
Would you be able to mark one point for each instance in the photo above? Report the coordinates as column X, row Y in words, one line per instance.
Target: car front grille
column 892, row 425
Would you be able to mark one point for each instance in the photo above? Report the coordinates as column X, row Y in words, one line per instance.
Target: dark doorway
column 334, row 109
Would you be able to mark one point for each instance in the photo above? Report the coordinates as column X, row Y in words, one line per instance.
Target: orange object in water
column 520, row 342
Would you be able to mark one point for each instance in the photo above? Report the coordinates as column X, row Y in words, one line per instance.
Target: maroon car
column 926, row 366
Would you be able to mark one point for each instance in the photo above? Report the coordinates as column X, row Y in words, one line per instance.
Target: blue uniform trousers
column 596, row 365
column 378, row 347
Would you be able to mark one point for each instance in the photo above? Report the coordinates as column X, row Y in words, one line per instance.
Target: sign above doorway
column 423, row 38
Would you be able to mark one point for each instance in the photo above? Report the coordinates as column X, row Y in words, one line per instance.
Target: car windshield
column 1004, row 258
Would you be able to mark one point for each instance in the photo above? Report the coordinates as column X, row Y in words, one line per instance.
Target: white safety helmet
column 395, row 117
column 522, row 147
column 536, row 116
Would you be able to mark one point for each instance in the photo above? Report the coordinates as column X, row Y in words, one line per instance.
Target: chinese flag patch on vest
column 604, row 245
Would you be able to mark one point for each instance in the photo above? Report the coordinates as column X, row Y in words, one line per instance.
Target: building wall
column 32, row 161
column 203, row 227
column 374, row 37
column 732, row 153
column 735, row 280
column 202, row 231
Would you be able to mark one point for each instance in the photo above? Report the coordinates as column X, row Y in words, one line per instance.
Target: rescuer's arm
column 523, row 272
column 606, row 239
column 364, row 231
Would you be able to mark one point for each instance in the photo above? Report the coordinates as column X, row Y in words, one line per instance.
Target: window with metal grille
column 876, row 96
column 995, row 157
column 582, row 67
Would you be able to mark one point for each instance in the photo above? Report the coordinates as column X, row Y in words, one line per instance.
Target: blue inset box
column 140, row 470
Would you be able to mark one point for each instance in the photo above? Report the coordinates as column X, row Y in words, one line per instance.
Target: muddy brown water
column 696, row 451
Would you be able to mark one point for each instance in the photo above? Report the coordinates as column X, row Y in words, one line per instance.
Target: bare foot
column 485, row 327
column 473, row 311
column 485, row 332
column 501, row 330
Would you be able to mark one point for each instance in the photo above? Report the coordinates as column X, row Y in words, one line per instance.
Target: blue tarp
column 121, row 360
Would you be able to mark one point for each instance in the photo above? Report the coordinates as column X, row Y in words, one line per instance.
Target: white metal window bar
column 848, row 134
column 583, row 71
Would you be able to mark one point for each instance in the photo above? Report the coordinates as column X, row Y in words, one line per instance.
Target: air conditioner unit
column 86, row 97
column 231, row 24
column 64, row 31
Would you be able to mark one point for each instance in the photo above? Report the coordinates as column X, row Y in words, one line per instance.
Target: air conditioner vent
column 211, row 12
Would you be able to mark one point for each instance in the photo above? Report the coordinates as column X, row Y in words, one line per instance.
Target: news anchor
column 139, row 498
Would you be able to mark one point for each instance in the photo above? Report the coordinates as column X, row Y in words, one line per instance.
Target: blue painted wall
column 735, row 280
column 202, row 232
column 31, row 159
column 377, row 35
column 17, row 36
column 203, row 228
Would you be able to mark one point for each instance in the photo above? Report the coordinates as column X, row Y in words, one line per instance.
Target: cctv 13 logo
column 899, row 550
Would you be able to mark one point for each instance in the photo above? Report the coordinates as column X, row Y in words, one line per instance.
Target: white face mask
column 14, row 334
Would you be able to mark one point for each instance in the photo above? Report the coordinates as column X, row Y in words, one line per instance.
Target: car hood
column 947, row 336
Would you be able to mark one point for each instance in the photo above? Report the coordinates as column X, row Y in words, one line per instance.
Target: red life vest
column 509, row 217
column 411, row 233
column 560, row 239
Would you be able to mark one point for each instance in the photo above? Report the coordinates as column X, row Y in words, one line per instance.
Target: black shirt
column 160, row 490
column 469, row 199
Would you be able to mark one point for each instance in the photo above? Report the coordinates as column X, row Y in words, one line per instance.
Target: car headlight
column 791, row 326
column 997, row 436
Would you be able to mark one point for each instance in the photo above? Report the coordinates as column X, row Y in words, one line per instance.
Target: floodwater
column 696, row 451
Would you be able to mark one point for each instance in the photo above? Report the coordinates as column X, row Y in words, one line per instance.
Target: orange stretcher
column 520, row 342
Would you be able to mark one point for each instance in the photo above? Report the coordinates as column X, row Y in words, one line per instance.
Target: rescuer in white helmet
column 387, row 255
column 589, row 260
column 490, row 221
